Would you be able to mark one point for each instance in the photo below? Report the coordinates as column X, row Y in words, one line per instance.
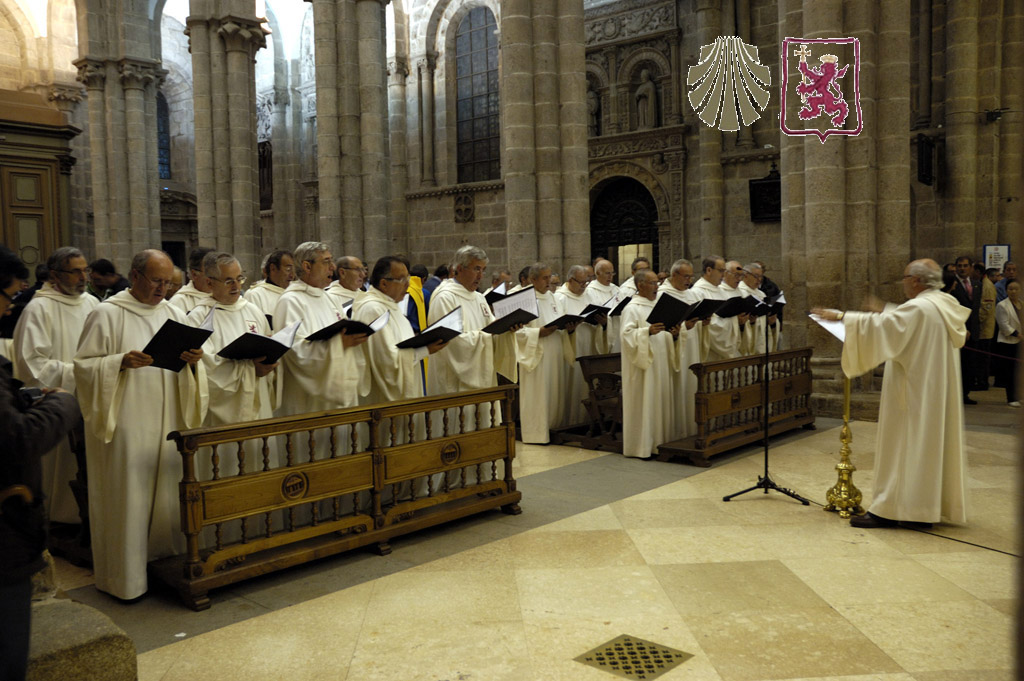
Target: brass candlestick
column 844, row 495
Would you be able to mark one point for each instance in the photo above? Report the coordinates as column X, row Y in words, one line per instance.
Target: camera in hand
column 27, row 397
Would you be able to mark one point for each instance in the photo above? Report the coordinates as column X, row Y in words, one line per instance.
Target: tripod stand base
column 766, row 483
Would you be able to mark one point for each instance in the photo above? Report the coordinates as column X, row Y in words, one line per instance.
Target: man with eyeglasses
column 753, row 342
column 278, row 273
column 678, row 284
column 601, row 291
column 589, row 339
column 722, row 336
column 45, row 341
column 316, row 375
column 129, row 407
column 197, row 288
column 348, row 288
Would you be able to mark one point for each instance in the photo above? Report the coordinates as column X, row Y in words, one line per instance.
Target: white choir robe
column 684, row 388
column 599, row 294
column 542, row 387
column 753, row 331
column 628, row 287
column 264, row 295
column 920, row 452
column 649, row 365
column 340, row 296
column 722, row 336
column 187, row 297
column 44, row 345
column 134, row 471
column 588, row 339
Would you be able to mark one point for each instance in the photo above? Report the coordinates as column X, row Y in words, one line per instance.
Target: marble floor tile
column 933, row 636
column 71, row 576
column 785, row 644
column 580, row 549
column 874, row 579
column 598, row 594
column 983, row 574
column 600, row 518
column 1007, row 606
column 969, row 675
column 649, row 513
column 494, row 556
column 709, row 588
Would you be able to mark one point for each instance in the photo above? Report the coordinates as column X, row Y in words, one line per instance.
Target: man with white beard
column 589, row 339
column 129, row 407
column 278, row 272
column 45, row 341
column 316, row 375
column 543, row 353
column 691, row 350
column 649, row 362
column 349, row 286
column 755, row 328
column 599, row 292
column 197, row 288
column 722, row 336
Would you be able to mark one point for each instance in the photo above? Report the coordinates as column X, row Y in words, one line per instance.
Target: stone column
column 520, row 161
column 573, row 133
column 373, row 129
column 548, row 143
column 675, row 113
column 135, row 76
column 425, row 70
column 924, row 64
column 326, row 207
column 1011, row 125
column 745, row 135
column 69, row 97
column 282, row 140
column 350, row 129
column 92, row 74
column 709, row 25
column 961, row 123
column 398, row 73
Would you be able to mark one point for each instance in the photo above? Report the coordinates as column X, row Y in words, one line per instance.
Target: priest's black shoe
column 871, row 521
column 914, row 525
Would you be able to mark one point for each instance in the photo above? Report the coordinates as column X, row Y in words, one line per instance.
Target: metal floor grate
column 633, row 658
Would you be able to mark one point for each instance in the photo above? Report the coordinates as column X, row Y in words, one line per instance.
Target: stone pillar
column 425, row 70
column 709, row 25
column 373, row 129
column 92, row 74
column 69, row 99
column 1011, row 140
column 615, row 123
column 135, row 77
column 326, row 204
column 282, row 140
column 520, row 161
column 745, row 135
column 575, row 200
column 675, row 113
column 961, row 122
column 924, row 64
column 350, row 114
column 398, row 73
column 546, row 104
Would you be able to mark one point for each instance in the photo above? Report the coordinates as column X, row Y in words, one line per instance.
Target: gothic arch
column 635, row 62
column 597, row 73
column 437, row 34
column 20, row 24
column 606, row 172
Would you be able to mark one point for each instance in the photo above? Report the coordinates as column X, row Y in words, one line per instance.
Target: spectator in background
column 104, row 281
column 1009, row 274
column 440, row 274
column 968, row 293
column 177, row 281
column 420, row 272
column 986, row 326
column 1010, row 319
column 10, row 320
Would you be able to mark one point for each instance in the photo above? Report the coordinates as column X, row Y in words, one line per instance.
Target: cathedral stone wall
column 447, row 220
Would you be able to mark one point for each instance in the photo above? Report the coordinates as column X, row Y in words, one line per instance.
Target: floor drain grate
column 634, row 658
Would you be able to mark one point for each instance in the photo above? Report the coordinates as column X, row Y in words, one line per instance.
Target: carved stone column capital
column 65, row 95
column 242, row 35
column 398, row 67
column 65, row 163
column 136, row 74
column 426, row 62
column 91, row 72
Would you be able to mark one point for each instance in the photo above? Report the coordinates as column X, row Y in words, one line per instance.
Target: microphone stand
column 765, row 481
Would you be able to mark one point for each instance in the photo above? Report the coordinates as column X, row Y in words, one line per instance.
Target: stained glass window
column 476, row 100
column 163, row 137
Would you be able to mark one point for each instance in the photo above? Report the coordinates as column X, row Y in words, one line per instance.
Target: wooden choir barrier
column 265, row 495
column 729, row 398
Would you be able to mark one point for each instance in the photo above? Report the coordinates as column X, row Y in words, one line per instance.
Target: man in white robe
column 688, row 346
column 628, row 287
column 129, row 407
column 649, row 364
column 349, row 286
column 278, row 273
column 524, row 280
column 543, row 354
column 45, row 341
column 502, row 276
column 197, row 288
column 588, row 339
column 600, row 291
column 920, row 453
column 729, row 285
column 754, row 330
column 316, row 375
column 722, row 336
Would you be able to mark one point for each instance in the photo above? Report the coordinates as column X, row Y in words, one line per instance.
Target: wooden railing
column 264, row 495
column 729, row 397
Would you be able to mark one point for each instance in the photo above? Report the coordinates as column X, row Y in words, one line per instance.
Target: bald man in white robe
column 588, row 339
column 722, row 336
column 599, row 292
column 197, row 288
column 348, row 288
column 45, row 341
column 689, row 347
column 920, row 452
column 754, row 330
column 129, row 407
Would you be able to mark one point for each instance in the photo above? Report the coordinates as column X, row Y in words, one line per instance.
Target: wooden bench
column 265, row 495
column 729, row 397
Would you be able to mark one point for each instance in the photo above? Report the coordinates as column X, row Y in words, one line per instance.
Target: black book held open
column 351, row 327
column 564, row 321
column 445, row 328
column 253, row 345
column 704, row 309
column 617, row 311
column 514, row 318
column 174, row 338
column 495, row 294
column 669, row 311
column 732, row 307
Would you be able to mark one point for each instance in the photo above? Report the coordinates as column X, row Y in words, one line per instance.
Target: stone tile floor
column 758, row 588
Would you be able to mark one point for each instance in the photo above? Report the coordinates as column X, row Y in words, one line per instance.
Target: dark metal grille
column 634, row 658
column 476, row 101
column 163, row 137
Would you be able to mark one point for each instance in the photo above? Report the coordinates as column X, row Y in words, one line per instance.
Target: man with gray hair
column 920, row 453
column 278, row 272
column 691, row 350
column 754, row 329
column 601, row 291
column 589, row 339
column 316, row 375
column 348, row 288
column 44, row 345
column 197, row 288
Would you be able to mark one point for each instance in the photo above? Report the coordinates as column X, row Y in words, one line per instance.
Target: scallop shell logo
column 727, row 82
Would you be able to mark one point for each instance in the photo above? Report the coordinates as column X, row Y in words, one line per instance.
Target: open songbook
column 593, row 311
column 836, row 328
column 617, row 311
column 497, row 293
column 351, row 327
column 253, row 345
column 174, row 338
column 512, row 310
column 445, row 328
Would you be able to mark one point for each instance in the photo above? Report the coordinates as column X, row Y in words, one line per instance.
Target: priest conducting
column 920, row 457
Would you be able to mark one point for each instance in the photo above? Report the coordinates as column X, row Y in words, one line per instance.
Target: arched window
column 163, row 137
column 476, row 102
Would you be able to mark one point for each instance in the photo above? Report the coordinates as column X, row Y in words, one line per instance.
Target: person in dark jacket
column 30, row 426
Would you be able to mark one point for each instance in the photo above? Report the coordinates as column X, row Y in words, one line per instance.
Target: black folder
column 732, row 307
column 704, row 309
column 499, row 326
column 270, row 320
column 669, row 311
column 349, row 326
column 617, row 312
column 431, row 334
column 171, row 340
column 252, row 346
column 564, row 321
column 592, row 311
column 491, row 296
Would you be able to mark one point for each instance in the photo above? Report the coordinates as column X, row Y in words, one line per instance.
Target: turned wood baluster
column 245, row 530
column 479, row 473
column 336, row 507
column 312, row 445
column 216, row 463
column 355, row 503
column 494, row 470
column 289, row 450
column 314, row 509
column 354, row 438
column 393, row 430
column 444, row 422
column 241, row 458
column 268, row 519
column 412, row 431
column 462, row 477
column 266, row 453
column 494, row 421
column 334, row 443
column 430, row 486
column 426, row 417
column 462, row 418
column 217, row 536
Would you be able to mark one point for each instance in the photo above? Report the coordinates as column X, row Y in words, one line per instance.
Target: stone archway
column 624, row 221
